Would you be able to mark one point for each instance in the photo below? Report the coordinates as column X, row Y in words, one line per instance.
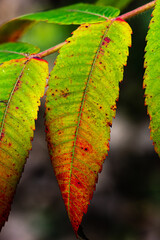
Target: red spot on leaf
column 84, row 145
column 107, row 39
column 18, row 84
column 2, row 135
column 78, row 184
column 101, row 51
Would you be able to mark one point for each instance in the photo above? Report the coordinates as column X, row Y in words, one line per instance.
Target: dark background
column 126, row 203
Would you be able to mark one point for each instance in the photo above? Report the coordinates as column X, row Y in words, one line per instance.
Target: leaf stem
column 49, row 51
column 138, row 10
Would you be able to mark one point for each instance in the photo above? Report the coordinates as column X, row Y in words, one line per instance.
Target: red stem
column 138, row 10
column 49, row 51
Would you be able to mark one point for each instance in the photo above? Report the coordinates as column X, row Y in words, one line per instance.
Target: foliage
column 81, row 98
column 151, row 77
column 80, row 106
column 19, row 101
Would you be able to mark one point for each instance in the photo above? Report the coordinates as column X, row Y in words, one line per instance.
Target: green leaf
column 152, row 77
column 22, row 83
column 80, row 105
column 9, row 51
column 75, row 14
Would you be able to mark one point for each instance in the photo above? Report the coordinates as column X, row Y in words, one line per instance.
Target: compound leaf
column 80, row 105
column 22, row 83
column 152, row 77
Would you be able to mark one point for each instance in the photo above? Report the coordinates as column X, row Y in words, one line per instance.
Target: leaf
column 80, row 105
column 151, row 77
column 13, row 30
column 75, row 14
column 9, row 51
column 22, row 83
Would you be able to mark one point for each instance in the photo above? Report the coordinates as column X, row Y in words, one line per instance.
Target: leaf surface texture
column 9, row 51
column 152, row 77
column 80, row 105
column 75, row 14
column 22, row 83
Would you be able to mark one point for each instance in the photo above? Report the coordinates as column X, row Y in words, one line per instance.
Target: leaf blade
column 75, row 14
column 18, row 110
column 76, row 113
column 151, row 77
column 9, row 51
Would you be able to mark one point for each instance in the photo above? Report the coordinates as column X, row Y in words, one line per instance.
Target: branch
column 138, row 10
column 49, row 51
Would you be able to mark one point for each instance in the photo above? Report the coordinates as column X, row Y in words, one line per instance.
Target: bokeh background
column 126, row 204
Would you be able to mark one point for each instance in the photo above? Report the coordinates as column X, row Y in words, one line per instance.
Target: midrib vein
column 7, row 51
column 80, row 112
column 81, row 11
column 10, row 97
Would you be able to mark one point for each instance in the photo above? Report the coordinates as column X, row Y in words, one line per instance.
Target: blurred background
column 126, row 204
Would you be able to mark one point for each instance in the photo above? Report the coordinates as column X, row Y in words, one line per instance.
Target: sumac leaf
column 22, row 83
column 152, row 77
column 80, row 105
column 75, row 14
